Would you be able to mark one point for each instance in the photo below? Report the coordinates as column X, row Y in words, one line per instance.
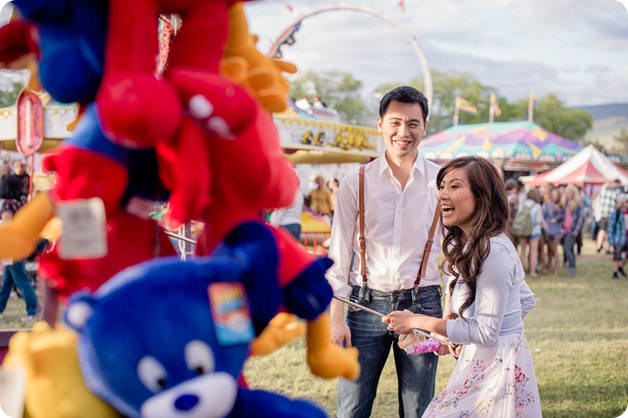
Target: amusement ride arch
column 416, row 47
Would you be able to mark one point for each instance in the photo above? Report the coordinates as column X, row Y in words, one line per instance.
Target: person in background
column 617, row 235
column 554, row 215
column 290, row 218
column 399, row 207
column 513, row 198
column 333, row 185
column 15, row 270
column 572, row 225
column 320, row 198
column 605, row 204
column 585, row 200
column 19, row 171
column 533, row 203
column 489, row 297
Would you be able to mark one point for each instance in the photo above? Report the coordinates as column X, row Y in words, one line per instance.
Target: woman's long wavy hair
column 465, row 253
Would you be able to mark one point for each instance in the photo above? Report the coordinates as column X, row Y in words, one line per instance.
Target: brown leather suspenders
column 362, row 240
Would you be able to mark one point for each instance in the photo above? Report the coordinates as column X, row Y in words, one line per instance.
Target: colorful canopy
column 589, row 166
column 524, row 141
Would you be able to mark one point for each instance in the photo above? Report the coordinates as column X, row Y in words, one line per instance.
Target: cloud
column 513, row 46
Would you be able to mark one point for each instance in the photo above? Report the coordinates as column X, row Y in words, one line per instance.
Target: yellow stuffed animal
column 243, row 64
column 55, row 387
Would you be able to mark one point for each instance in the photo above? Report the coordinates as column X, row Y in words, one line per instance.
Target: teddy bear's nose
column 186, row 402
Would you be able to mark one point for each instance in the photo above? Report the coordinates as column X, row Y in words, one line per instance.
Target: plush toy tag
column 230, row 311
column 84, row 229
column 12, row 393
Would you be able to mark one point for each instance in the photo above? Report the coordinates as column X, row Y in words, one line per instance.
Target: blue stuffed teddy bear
column 167, row 338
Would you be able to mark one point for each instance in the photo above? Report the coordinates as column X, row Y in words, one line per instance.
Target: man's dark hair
column 404, row 94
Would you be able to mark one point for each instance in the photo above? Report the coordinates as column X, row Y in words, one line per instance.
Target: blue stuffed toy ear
column 79, row 310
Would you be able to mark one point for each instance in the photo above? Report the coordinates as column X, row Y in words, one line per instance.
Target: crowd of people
column 552, row 216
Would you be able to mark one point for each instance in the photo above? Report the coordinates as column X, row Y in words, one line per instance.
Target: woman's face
column 457, row 202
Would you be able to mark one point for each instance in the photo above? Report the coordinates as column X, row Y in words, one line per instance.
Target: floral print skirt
column 491, row 381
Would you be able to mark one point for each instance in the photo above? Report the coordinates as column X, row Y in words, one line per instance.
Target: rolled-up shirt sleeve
column 494, row 284
column 343, row 234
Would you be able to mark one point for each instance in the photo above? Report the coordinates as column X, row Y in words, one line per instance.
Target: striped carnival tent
column 588, row 166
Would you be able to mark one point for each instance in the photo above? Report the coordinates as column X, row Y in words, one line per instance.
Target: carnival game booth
column 44, row 113
column 316, row 136
column 587, row 167
column 513, row 146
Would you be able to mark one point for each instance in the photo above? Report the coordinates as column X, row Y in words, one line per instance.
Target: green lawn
column 578, row 333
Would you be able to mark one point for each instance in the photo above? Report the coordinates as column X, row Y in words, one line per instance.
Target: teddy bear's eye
column 199, row 357
column 151, row 373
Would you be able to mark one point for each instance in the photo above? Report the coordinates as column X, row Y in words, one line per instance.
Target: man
column 604, row 206
column 400, row 200
column 320, row 197
column 19, row 171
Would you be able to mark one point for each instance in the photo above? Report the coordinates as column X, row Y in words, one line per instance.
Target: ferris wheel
column 287, row 38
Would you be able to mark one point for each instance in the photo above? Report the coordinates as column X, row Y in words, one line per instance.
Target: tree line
column 343, row 92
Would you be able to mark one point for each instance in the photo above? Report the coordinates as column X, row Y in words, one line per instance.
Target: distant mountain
column 608, row 121
column 606, row 110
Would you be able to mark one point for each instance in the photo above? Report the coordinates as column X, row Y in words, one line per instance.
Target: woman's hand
column 455, row 349
column 401, row 322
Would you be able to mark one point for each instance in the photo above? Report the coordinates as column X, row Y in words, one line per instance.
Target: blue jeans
column 294, row 229
column 416, row 374
column 16, row 273
column 568, row 245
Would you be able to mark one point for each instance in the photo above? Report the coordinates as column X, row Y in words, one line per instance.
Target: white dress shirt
column 502, row 298
column 396, row 225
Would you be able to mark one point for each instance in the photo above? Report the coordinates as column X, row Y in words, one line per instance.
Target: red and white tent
column 589, row 166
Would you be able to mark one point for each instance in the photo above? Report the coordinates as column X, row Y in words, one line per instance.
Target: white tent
column 589, row 166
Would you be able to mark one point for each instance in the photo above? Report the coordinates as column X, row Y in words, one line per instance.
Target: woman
column 15, row 271
column 533, row 205
column 572, row 225
column 554, row 214
column 494, row 375
column 618, row 234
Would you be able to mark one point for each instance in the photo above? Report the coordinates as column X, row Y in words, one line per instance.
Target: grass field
column 578, row 334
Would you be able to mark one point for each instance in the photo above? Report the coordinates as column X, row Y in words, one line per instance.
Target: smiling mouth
column 446, row 209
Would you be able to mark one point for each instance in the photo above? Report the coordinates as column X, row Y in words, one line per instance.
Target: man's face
column 18, row 168
column 402, row 128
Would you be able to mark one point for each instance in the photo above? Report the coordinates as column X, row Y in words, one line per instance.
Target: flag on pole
column 531, row 105
column 465, row 106
column 495, row 109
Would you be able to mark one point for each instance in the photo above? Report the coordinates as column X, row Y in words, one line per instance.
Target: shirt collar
column 382, row 164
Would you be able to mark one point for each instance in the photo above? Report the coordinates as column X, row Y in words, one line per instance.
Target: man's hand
column 340, row 332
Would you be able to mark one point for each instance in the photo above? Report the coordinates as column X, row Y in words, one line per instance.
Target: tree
column 551, row 114
column 339, row 90
column 449, row 84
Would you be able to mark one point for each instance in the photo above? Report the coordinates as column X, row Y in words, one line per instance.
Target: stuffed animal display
column 185, row 361
column 158, row 337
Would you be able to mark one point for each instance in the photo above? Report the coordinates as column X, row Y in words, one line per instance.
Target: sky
column 575, row 49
